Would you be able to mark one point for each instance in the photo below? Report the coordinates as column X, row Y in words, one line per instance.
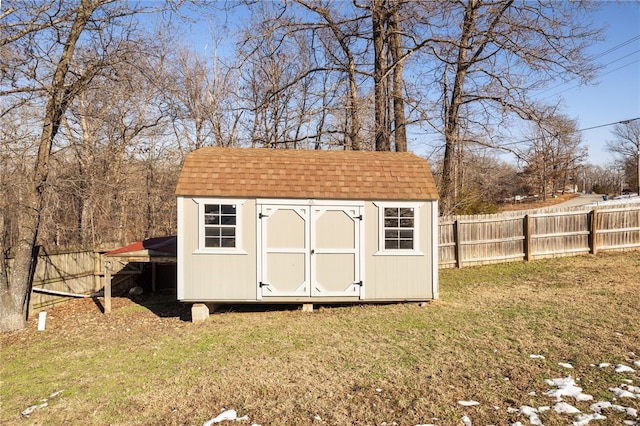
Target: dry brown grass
column 365, row 365
column 529, row 203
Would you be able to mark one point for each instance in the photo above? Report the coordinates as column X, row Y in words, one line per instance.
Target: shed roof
column 293, row 173
column 159, row 249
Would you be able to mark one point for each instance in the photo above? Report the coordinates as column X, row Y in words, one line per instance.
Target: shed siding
column 397, row 277
column 210, row 277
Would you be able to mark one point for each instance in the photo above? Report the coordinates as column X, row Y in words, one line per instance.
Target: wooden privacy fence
column 528, row 235
column 60, row 274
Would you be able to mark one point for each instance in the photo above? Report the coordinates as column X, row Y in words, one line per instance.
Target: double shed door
column 309, row 250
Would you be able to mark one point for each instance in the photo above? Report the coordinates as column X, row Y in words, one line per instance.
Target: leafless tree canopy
column 101, row 100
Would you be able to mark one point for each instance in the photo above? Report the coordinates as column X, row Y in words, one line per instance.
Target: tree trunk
column 452, row 121
column 379, row 18
column 399, row 118
column 14, row 297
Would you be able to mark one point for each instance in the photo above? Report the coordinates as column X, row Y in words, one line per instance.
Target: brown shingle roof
column 292, row 173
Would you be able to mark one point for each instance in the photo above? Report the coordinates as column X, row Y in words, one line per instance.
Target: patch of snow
column 33, row 408
column 536, row 356
column 532, row 414
column 565, row 365
column 604, row 365
column 599, row 406
column 621, row 368
column 466, row 420
column 583, row 419
column 228, row 415
column 621, row 393
column 563, row 407
column 468, row 403
column 636, row 363
column 56, row 393
column 634, row 389
column 544, row 408
column 567, row 387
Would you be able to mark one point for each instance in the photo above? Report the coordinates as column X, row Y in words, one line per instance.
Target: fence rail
column 528, row 235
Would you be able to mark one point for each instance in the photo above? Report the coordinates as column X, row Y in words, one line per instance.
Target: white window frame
column 415, row 251
column 201, row 226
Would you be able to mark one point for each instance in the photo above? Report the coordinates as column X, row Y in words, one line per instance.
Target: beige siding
column 220, row 277
column 233, row 277
column 395, row 277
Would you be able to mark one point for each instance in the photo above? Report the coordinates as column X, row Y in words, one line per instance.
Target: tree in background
column 626, row 149
column 554, row 153
column 52, row 52
column 490, row 63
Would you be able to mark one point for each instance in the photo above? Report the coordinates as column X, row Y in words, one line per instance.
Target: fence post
column 458, row 248
column 593, row 232
column 107, row 287
column 526, row 229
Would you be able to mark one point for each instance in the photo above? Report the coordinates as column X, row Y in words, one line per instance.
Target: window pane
column 211, row 208
column 406, row 223
column 391, row 223
column 390, row 212
column 406, row 234
column 406, row 212
column 228, row 209
column 228, row 242
column 391, row 244
column 228, row 232
column 212, row 231
column 406, row 244
column 228, row 220
column 212, row 242
column 390, row 234
column 211, row 220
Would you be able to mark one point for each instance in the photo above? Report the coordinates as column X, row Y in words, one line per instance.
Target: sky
column 612, row 97
column 616, row 93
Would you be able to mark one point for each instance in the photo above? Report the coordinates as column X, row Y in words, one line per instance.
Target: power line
column 598, row 56
column 579, row 130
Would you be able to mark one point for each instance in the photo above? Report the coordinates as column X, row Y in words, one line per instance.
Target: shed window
column 399, row 227
column 220, row 225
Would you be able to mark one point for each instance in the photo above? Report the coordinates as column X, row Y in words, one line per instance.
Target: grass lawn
column 146, row 364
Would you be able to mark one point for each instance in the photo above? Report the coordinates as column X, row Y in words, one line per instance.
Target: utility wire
column 579, row 130
column 598, row 56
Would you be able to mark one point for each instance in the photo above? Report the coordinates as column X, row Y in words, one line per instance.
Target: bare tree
column 626, row 148
column 499, row 54
column 66, row 45
column 555, row 153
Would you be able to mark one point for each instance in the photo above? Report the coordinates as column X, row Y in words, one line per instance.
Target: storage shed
column 305, row 227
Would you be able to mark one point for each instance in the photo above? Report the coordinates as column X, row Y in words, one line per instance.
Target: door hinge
column 264, row 284
column 358, row 217
column 260, row 215
column 360, row 283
